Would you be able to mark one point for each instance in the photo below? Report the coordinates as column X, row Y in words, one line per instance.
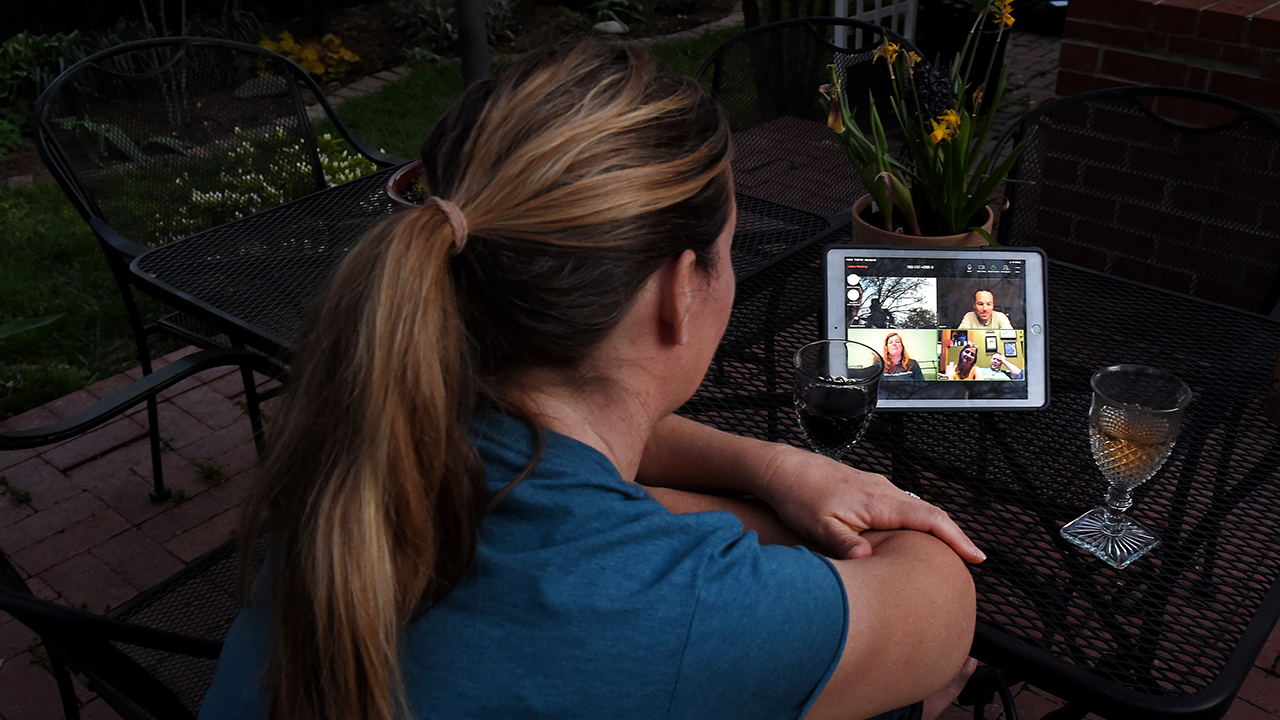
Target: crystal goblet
column 1133, row 423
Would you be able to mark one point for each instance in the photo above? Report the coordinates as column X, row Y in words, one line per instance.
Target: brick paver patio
column 90, row 537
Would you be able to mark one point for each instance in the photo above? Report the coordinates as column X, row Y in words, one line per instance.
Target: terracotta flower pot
column 404, row 186
column 865, row 233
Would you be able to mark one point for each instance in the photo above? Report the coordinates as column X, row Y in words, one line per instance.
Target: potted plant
column 405, row 185
column 941, row 192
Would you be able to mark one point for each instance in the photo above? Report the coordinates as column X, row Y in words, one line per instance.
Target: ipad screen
column 958, row 329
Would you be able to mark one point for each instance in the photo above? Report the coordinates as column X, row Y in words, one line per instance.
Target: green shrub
column 9, row 138
column 431, row 30
column 28, row 63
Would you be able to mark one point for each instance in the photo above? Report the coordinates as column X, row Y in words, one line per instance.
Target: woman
column 452, row 496
column 967, row 367
column 898, row 364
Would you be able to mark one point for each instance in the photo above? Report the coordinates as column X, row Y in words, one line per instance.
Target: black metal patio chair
column 153, row 657
column 767, row 81
column 160, row 139
column 1167, row 186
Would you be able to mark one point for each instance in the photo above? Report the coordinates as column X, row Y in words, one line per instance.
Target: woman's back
column 589, row 599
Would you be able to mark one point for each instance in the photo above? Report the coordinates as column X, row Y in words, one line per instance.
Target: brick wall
column 1231, row 47
column 1117, row 191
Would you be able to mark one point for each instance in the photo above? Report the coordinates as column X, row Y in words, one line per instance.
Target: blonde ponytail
column 378, row 409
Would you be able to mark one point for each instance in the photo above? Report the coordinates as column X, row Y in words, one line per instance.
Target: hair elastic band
column 457, row 221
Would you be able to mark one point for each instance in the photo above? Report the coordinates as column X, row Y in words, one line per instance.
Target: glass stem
column 1119, row 499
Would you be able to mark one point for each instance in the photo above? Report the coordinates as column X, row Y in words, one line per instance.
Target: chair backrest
column 1167, row 186
column 164, row 138
column 767, row 81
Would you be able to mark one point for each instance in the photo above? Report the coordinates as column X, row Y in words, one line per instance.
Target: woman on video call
column 967, row 366
column 898, row 364
column 477, row 500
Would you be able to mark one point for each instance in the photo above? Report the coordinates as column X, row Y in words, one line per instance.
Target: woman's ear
column 678, row 292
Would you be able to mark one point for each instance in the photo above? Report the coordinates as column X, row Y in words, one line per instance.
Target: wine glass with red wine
column 836, row 384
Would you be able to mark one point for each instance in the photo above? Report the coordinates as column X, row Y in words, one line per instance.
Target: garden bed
column 367, row 31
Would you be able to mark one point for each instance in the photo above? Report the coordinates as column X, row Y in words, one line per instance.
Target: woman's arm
column 824, row 501
column 911, row 612
column 911, row 619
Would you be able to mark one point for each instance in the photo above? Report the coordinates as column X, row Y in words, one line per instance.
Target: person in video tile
column 879, row 317
column 967, row 367
column 984, row 314
column 1001, row 364
column 898, row 365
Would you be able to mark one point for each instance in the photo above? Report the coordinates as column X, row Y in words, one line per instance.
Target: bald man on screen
column 984, row 315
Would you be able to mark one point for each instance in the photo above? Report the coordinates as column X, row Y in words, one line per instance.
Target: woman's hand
column 826, row 502
column 832, row 504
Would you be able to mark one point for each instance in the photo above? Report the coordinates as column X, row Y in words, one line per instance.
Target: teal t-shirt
column 589, row 599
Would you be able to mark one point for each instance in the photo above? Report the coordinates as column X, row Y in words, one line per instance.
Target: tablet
column 959, row 328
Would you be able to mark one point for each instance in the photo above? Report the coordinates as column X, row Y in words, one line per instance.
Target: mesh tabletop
column 1174, row 634
column 258, row 277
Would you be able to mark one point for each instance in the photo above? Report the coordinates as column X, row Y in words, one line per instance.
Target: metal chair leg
column 159, row 491
column 981, row 691
column 66, row 691
column 252, row 401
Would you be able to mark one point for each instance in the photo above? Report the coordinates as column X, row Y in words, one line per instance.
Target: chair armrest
column 125, row 398
column 115, row 239
column 41, row 614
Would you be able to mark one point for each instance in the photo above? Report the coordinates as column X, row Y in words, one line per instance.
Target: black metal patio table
column 1171, row 636
column 257, row 278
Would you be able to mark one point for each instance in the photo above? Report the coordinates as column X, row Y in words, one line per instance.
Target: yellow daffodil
column 945, row 127
column 939, row 132
column 1004, row 12
column 887, row 50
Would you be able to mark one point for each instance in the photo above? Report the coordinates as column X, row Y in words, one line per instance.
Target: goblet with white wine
column 836, row 386
column 1133, row 423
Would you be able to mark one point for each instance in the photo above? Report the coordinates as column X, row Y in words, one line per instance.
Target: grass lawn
column 52, row 264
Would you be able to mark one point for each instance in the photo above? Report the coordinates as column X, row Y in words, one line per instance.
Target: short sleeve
column 767, row 632
column 237, row 690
